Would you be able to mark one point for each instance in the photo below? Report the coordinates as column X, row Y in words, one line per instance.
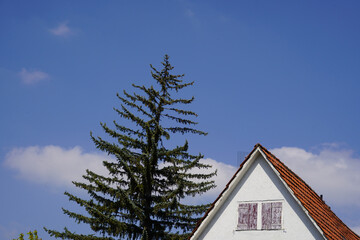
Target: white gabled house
column 266, row 200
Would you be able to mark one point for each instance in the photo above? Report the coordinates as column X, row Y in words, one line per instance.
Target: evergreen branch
column 115, row 171
column 129, row 130
column 131, row 205
column 180, row 120
column 150, row 103
column 125, row 113
column 133, row 105
column 132, row 98
column 175, row 101
column 184, row 130
column 183, row 112
column 177, row 87
column 124, row 140
column 151, row 92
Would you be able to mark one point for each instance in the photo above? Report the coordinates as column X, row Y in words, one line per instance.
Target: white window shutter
column 266, row 216
column 243, row 216
column 253, row 216
column 271, row 216
column 247, row 216
column 276, row 209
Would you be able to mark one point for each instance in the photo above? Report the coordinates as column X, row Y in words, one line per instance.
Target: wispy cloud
column 62, row 30
column 189, row 13
column 32, row 77
column 53, row 165
column 192, row 17
column 332, row 172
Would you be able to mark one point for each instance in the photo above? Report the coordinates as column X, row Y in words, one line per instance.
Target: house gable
column 298, row 202
column 259, row 184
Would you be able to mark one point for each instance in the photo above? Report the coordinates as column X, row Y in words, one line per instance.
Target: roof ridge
column 265, row 149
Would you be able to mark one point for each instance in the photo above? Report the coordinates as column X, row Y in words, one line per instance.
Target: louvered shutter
column 266, row 216
column 276, row 209
column 247, row 219
column 271, row 216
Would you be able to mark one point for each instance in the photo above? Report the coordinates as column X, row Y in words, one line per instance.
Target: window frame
column 259, row 215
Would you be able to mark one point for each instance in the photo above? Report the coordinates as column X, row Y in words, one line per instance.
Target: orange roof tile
column 333, row 228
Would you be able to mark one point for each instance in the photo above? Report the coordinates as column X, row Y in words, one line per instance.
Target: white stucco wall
column 260, row 183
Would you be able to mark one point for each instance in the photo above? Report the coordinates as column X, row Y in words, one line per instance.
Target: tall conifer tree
column 141, row 198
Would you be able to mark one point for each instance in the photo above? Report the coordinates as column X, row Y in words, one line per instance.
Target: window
column 270, row 216
column 247, row 216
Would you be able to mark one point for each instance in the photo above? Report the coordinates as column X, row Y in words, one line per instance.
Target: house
column 266, row 200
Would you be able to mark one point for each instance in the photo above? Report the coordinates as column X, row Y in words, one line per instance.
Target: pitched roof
column 325, row 219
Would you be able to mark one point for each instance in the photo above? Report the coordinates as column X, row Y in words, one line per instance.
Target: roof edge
column 215, row 205
column 262, row 149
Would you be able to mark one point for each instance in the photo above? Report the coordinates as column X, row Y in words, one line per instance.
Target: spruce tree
column 142, row 197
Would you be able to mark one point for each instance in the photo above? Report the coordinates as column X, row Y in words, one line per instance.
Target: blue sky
column 282, row 73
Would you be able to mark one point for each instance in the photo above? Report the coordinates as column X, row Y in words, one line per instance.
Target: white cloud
column 61, row 30
column 53, row 165
column 32, row 77
column 189, row 13
column 332, row 172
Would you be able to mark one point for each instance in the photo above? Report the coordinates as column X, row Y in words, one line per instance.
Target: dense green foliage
column 142, row 197
column 32, row 236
